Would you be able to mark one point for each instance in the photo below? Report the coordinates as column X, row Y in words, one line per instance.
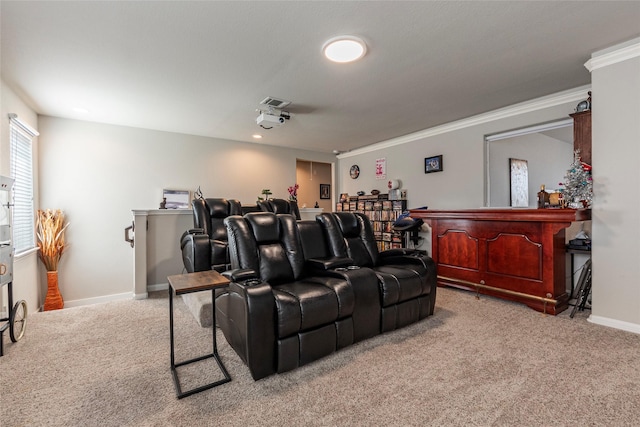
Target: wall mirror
column 547, row 149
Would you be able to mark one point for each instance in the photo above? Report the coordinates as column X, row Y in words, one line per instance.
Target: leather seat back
column 313, row 240
column 280, row 206
column 350, row 234
column 198, row 253
column 209, row 215
column 268, row 244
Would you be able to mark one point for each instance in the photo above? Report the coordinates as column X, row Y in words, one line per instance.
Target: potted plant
column 51, row 245
column 293, row 192
column 266, row 193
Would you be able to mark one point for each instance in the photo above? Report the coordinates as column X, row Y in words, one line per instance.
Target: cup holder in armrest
column 347, row 268
column 252, row 282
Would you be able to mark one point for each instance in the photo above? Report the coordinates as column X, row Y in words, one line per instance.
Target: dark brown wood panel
column 582, row 134
column 456, row 247
column 514, row 255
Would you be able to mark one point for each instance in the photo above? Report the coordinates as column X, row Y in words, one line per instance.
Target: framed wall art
column 381, row 168
column 176, row 199
column 519, row 183
column 433, row 164
column 325, row 191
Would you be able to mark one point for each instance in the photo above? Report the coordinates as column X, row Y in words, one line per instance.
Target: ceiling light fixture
column 344, row 49
column 257, row 136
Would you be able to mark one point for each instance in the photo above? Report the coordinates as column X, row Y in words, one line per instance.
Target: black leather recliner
column 280, row 206
column 279, row 314
column 205, row 246
column 367, row 310
column 407, row 278
column 296, row 295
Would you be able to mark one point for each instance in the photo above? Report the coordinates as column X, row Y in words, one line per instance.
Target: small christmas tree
column 578, row 184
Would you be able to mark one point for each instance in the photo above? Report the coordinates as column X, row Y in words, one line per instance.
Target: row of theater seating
column 204, row 247
column 301, row 290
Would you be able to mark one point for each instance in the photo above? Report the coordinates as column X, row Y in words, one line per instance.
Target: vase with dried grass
column 51, row 245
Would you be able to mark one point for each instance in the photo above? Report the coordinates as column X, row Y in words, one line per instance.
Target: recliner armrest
column 192, row 231
column 196, row 251
column 396, row 252
column 240, row 275
column 324, row 264
column 250, row 325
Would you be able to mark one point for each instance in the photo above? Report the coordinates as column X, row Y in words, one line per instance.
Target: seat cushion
column 304, row 305
column 343, row 291
column 398, row 284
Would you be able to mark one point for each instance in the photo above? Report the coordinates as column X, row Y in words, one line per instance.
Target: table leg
column 213, row 322
column 214, row 354
column 174, row 372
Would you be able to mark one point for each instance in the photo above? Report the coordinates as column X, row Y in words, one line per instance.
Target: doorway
column 313, row 179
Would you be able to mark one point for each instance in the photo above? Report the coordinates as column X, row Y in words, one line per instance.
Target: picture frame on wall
column 433, row 164
column 519, row 183
column 325, row 191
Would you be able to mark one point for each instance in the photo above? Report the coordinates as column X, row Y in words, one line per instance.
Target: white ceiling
column 201, row 68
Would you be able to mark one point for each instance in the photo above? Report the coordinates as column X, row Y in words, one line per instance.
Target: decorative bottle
column 543, row 198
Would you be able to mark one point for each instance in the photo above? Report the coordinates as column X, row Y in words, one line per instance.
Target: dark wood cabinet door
column 582, row 134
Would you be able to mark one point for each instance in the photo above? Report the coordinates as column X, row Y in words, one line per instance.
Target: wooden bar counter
column 512, row 253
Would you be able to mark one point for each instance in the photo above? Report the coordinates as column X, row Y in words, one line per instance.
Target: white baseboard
column 616, row 324
column 97, row 300
column 158, row 287
column 116, row 297
column 143, row 295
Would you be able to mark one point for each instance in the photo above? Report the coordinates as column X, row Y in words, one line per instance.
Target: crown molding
column 537, row 104
column 613, row 55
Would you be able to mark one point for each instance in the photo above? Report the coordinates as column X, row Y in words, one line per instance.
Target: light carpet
column 483, row 362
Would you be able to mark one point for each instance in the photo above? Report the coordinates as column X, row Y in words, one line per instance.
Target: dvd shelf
column 382, row 212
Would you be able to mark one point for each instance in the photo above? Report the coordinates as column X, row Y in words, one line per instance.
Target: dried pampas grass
column 50, row 233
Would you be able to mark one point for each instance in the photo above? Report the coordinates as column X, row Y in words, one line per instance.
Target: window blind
column 21, row 136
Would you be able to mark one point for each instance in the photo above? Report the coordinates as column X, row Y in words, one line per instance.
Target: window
column 21, row 136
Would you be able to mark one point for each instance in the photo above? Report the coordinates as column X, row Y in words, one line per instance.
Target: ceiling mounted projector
column 268, row 121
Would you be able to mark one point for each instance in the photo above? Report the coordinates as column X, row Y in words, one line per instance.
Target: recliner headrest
column 265, row 226
column 218, row 208
column 348, row 223
column 280, row 206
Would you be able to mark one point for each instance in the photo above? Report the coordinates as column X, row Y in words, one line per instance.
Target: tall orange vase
column 53, row 300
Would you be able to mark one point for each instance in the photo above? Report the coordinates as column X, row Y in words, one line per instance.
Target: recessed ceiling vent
column 272, row 102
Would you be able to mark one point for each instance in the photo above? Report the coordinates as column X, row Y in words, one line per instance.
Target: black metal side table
column 184, row 284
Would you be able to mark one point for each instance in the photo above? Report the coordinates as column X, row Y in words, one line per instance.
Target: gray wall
column 616, row 153
column 462, row 182
column 27, row 268
column 99, row 173
column 547, row 159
